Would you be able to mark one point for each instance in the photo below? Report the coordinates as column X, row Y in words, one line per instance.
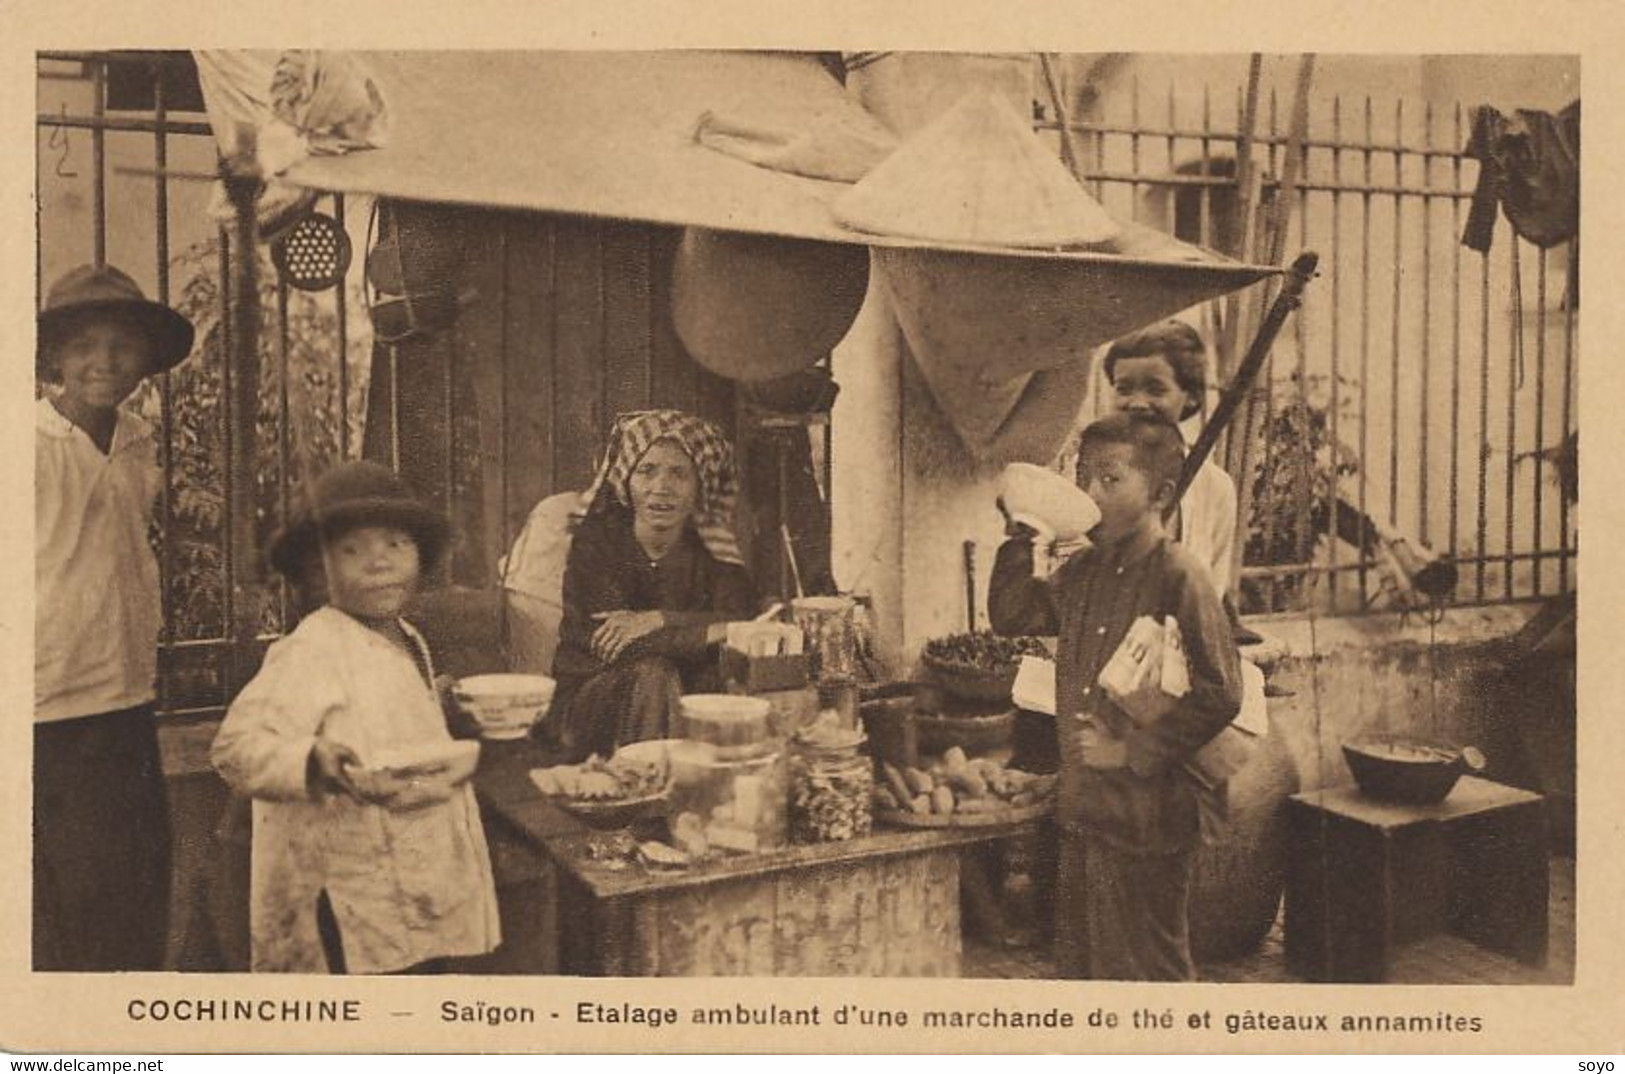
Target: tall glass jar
column 830, row 788
column 721, row 801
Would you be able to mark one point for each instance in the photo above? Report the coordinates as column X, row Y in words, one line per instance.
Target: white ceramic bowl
column 1047, row 501
column 505, row 706
column 396, row 768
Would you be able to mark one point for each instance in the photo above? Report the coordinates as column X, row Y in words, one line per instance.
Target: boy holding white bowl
column 1126, row 805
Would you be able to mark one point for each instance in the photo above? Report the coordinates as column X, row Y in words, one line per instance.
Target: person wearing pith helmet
column 101, row 820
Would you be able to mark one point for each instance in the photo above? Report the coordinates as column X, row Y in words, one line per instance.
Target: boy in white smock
column 350, row 876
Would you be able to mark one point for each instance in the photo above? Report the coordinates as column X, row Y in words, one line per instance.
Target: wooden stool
column 1366, row 876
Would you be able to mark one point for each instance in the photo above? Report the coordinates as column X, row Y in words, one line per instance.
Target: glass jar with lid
column 831, row 782
column 727, row 799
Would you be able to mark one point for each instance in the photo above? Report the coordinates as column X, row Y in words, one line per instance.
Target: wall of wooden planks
column 566, row 324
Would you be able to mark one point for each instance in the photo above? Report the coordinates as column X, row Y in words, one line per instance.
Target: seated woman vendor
column 654, row 574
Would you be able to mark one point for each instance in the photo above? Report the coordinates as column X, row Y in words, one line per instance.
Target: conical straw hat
column 977, row 175
column 756, row 307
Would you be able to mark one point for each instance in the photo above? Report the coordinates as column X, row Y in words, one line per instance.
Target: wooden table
column 1366, row 876
column 886, row 905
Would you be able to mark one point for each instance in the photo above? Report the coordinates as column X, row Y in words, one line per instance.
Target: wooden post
column 1263, row 240
column 240, row 173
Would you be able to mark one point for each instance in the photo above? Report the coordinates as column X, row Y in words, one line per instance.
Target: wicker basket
column 973, row 734
column 989, row 686
column 1014, row 815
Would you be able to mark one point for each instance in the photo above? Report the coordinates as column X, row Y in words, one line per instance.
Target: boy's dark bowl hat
column 90, row 289
column 357, row 494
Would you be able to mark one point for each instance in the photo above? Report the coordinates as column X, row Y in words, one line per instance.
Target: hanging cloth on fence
column 1530, row 166
column 300, row 103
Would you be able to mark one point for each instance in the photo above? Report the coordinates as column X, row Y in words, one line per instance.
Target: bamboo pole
column 1241, row 385
column 1063, row 119
column 240, row 174
column 1247, row 190
column 1264, row 241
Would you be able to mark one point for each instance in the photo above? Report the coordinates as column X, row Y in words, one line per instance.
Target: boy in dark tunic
column 1127, row 804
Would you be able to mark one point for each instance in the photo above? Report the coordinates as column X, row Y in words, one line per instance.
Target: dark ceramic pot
column 1239, row 880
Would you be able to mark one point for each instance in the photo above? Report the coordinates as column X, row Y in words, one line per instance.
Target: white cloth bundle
column 1149, row 673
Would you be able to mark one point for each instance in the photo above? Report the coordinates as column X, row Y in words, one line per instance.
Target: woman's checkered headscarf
column 637, row 431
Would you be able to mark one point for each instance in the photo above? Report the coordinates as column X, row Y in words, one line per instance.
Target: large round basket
column 973, row 734
column 1238, row 881
column 990, row 686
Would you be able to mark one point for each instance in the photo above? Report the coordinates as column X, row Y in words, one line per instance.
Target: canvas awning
column 611, row 134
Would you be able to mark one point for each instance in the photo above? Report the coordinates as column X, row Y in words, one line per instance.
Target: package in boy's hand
column 1133, row 677
column 1137, row 657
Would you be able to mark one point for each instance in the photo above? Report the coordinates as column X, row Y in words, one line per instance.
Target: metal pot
column 1408, row 769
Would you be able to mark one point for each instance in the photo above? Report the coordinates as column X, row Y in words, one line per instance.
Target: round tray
column 613, row 812
column 966, row 820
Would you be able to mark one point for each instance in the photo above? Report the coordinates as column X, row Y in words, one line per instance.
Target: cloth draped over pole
column 299, row 102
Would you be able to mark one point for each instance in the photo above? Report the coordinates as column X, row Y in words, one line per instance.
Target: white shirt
column 1206, row 523
column 97, row 610
column 405, row 886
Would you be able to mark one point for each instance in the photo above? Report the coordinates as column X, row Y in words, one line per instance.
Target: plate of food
column 610, row 793
column 418, row 766
column 956, row 791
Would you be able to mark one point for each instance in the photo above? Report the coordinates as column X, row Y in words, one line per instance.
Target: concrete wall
column 1451, row 681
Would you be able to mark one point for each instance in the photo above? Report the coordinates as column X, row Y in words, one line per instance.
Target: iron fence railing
column 193, row 405
column 1439, row 374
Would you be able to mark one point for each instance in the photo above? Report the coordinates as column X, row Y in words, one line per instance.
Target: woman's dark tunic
column 599, row 705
